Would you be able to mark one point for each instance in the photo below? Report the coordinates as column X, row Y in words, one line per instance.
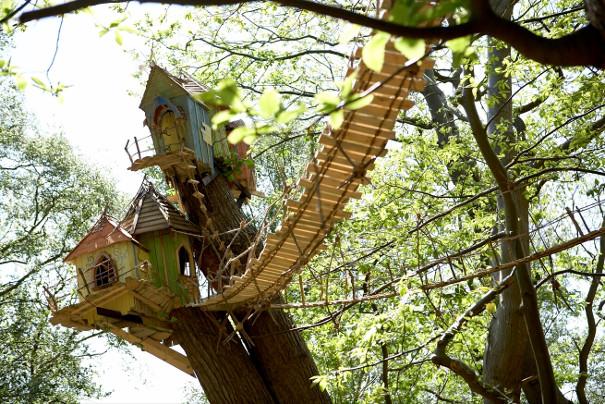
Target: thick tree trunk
column 224, row 370
column 507, row 343
column 278, row 366
column 284, row 359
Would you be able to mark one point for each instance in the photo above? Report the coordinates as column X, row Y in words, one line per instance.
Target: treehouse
column 131, row 274
column 181, row 141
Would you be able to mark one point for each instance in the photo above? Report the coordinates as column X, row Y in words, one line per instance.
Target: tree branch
column 592, row 325
column 584, row 47
column 441, row 357
column 530, row 311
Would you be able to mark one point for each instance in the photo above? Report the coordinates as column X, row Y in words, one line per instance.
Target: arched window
column 105, row 273
column 169, row 131
column 184, row 262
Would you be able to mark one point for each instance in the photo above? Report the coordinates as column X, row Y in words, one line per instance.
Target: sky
column 97, row 115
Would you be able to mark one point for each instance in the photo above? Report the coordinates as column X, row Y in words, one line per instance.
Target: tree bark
column 224, row 370
column 284, row 359
column 277, row 359
column 507, row 342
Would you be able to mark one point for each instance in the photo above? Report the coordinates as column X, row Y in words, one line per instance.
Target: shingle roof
column 187, row 84
column 151, row 211
column 104, row 233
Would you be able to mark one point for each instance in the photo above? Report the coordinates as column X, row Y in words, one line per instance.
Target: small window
column 184, row 262
column 105, row 273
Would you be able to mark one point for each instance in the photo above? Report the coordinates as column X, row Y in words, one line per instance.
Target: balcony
column 143, row 153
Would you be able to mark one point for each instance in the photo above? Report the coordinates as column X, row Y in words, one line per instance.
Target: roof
column 151, row 211
column 104, row 233
column 187, row 85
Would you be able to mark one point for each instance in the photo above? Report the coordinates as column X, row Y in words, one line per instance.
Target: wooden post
column 127, row 152
column 136, row 143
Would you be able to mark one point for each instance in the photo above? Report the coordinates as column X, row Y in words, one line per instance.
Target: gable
column 162, row 84
column 150, row 211
column 103, row 234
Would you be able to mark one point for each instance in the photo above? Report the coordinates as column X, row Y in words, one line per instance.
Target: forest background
column 432, row 212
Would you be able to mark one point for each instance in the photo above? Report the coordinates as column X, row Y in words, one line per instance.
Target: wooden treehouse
column 182, row 142
column 131, row 274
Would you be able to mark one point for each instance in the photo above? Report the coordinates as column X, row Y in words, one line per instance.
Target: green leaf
column 320, row 381
column 221, row 117
column 360, row 102
column 327, row 100
column 490, row 307
column 337, row 118
column 118, row 37
column 226, row 93
column 459, row 44
column 373, row 53
column 459, row 48
column 269, row 103
column 21, row 82
column 289, row 115
column 241, row 133
column 38, row 81
column 346, row 86
column 411, row 48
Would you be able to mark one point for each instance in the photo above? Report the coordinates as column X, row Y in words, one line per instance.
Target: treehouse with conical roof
column 132, row 273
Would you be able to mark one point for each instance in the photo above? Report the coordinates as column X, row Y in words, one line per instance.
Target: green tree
column 48, row 199
column 482, row 176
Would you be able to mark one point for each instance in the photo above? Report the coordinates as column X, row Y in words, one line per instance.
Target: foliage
column 48, row 200
column 279, row 58
column 41, row 363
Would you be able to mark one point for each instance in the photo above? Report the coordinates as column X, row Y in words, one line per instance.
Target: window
column 105, row 273
column 184, row 262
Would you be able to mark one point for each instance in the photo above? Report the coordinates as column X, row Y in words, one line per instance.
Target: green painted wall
column 163, row 254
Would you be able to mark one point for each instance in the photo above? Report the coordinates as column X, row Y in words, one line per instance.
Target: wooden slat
column 155, row 348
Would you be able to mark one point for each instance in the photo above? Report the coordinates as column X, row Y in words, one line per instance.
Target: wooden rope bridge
column 331, row 179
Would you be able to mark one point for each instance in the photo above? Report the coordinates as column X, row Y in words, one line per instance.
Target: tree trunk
column 284, row 359
column 224, row 370
column 278, row 359
column 507, row 343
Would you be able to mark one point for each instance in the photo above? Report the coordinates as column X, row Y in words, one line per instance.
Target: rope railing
column 562, row 233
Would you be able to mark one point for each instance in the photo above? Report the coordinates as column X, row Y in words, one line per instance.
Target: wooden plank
column 364, row 138
column 155, row 348
column 389, row 102
column 313, row 212
column 341, row 163
column 337, row 183
column 381, row 111
column 382, row 132
column 363, row 118
column 328, row 188
column 354, row 151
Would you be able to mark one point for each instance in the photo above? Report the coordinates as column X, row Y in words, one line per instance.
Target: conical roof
column 151, row 211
